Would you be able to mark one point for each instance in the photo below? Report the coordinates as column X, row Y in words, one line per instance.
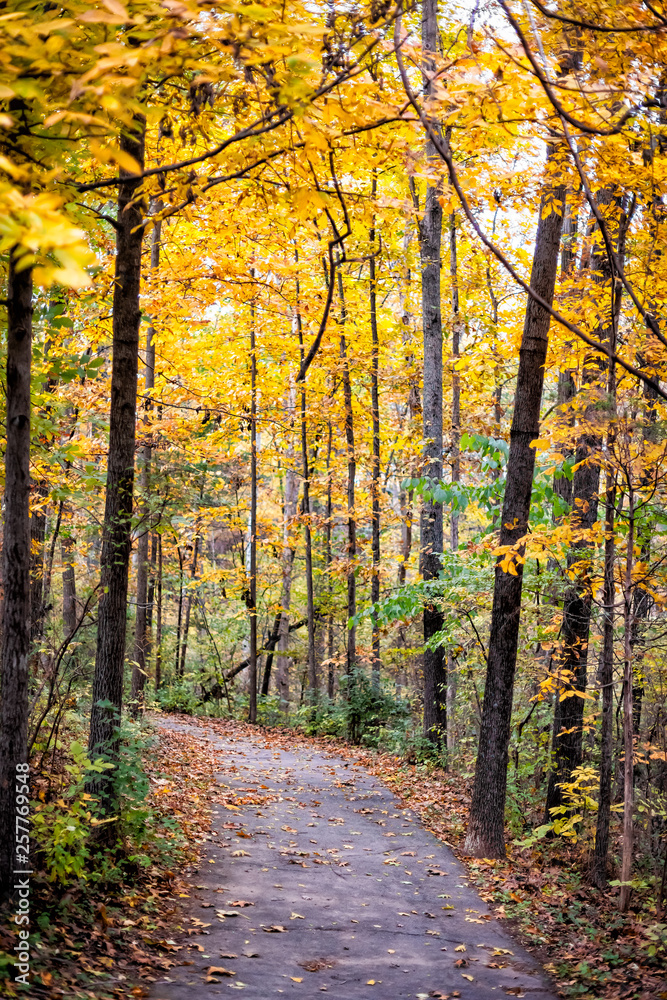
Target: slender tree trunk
column 351, row 476
column 305, row 470
column 188, row 600
column 150, row 597
column 456, row 382
column 606, row 677
column 289, row 513
column 15, row 566
column 485, row 836
column 405, row 501
column 252, row 606
column 327, row 567
column 179, row 617
column 158, row 619
column 141, row 633
column 68, row 550
column 455, row 452
column 375, row 466
column 430, row 233
column 628, row 730
column 38, row 599
column 117, row 531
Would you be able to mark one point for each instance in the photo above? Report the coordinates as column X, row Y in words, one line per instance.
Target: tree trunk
column 305, row 471
column 575, row 629
column 405, row 501
column 375, row 465
column 456, row 382
column 628, row 732
column 188, row 601
column 111, row 629
column 485, row 836
column 287, row 561
column 351, row 475
column 430, row 239
column 606, row 677
column 15, row 567
column 158, row 618
column 141, row 633
column 327, row 566
column 68, row 552
column 38, row 598
column 179, row 617
column 252, row 600
column 455, row 453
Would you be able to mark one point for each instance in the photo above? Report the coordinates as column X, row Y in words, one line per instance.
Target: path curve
column 373, row 906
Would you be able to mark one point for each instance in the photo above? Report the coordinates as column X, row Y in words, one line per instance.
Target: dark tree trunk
column 38, row 598
column 405, row 502
column 179, row 617
column 117, row 531
column 375, row 465
column 351, row 476
column 252, row 583
column 485, row 837
column 188, row 602
column 15, row 564
column 606, row 677
column 456, row 382
column 142, row 631
column 327, row 566
column 569, row 713
column 430, row 240
column 455, row 452
column 158, row 618
column 269, row 648
column 68, row 549
column 305, row 469
column 150, row 596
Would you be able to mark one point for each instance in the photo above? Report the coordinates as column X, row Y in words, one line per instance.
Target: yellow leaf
column 296, row 979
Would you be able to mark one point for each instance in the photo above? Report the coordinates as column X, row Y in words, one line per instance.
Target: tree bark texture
column 38, row 596
column 116, row 541
column 351, row 479
column 290, row 501
column 606, row 678
column 15, row 560
column 189, row 599
column 252, row 584
column 305, row 510
column 485, row 836
column 430, row 240
column 375, row 465
column 68, row 550
column 141, row 630
column 628, row 731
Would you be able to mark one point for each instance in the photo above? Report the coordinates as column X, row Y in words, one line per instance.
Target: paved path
column 351, row 895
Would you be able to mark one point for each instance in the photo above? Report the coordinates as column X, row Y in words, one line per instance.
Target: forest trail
column 349, row 894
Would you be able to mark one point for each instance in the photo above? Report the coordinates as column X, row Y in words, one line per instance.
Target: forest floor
column 303, row 857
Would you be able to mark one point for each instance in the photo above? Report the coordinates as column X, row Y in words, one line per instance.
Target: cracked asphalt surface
column 350, row 895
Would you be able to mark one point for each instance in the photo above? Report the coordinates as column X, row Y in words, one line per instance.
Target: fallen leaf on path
column 296, row 979
column 275, row 929
column 469, row 978
column 460, row 947
column 240, row 854
column 296, row 916
column 239, row 902
column 218, row 970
